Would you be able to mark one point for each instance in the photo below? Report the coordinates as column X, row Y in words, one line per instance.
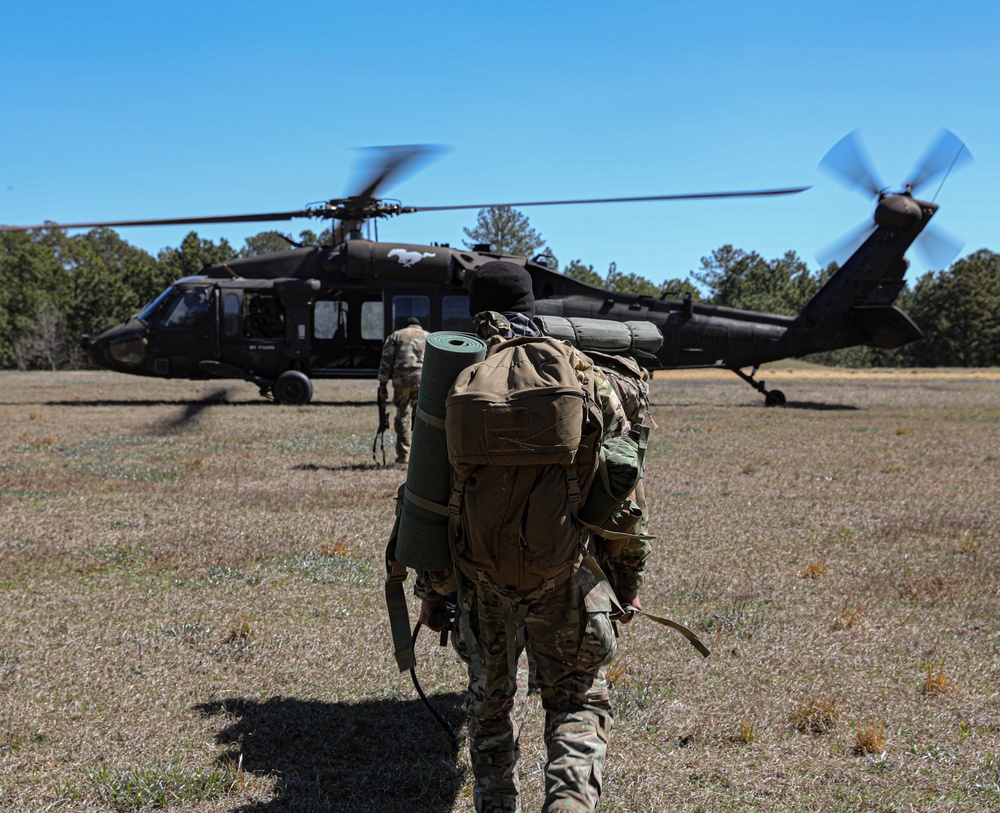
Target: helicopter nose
column 121, row 348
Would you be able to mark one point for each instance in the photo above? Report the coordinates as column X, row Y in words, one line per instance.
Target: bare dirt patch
column 193, row 615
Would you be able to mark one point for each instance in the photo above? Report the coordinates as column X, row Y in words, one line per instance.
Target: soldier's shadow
column 381, row 755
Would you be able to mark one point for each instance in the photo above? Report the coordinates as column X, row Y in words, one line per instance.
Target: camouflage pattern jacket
column 403, row 357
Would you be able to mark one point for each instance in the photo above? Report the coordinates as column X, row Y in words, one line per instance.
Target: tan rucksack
column 523, row 430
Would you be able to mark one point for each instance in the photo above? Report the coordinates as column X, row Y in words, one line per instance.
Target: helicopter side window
column 265, row 317
column 455, row 314
column 188, row 309
column 371, row 319
column 330, row 320
column 231, row 314
column 404, row 307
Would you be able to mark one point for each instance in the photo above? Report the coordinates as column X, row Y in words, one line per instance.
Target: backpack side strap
column 591, row 564
column 395, row 599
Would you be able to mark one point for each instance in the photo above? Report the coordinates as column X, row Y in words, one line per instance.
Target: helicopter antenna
column 951, row 166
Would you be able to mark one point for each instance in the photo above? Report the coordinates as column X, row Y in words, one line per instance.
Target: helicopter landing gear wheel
column 771, row 397
column 293, row 387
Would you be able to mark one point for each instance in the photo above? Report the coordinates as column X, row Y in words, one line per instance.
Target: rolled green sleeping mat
column 422, row 542
column 605, row 335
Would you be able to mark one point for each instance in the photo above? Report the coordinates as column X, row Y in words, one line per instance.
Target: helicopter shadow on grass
column 813, row 405
column 820, row 406
column 198, row 404
column 348, row 467
column 379, row 755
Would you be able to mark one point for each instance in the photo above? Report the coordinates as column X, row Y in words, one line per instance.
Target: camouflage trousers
column 405, row 401
column 570, row 639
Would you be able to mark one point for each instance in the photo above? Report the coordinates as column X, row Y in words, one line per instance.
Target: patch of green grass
column 137, row 788
column 29, row 494
column 331, row 569
column 125, row 557
column 217, row 574
column 125, row 471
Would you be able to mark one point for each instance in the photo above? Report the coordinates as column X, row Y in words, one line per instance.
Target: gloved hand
column 383, row 391
column 435, row 615
column 628, row 598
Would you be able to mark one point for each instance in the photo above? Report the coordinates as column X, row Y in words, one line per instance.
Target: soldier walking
column 565, row 624
column 402, row 362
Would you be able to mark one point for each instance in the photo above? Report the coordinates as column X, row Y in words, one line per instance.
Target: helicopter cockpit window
column 188, row 309
column 455, row 314
column 403, row 307
column 330, row 320
column 265, row 316
column 148, row 314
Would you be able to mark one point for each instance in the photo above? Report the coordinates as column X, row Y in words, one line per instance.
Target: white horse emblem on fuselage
column 408, row 259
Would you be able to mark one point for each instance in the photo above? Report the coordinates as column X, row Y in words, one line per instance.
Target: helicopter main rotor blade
column 695, row 196
column 389, row 163
column 848, row 162
column 946, row 153
column 171, row 221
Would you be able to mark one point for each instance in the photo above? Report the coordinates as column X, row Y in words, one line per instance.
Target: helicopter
column 284, row 319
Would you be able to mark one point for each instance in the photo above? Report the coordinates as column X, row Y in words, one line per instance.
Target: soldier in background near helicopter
column 402, row 363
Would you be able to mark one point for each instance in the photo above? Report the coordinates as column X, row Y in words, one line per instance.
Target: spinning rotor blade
column 938, row 247
column 848, row 162
column 170, row 221
column 694, row 196
column 386, row 164
column 845, row 246
column 946, row 153
column 389, row 163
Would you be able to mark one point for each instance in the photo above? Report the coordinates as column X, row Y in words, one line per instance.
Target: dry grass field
column 192, row 613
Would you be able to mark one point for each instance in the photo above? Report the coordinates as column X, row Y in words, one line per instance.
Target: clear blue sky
column 115, row 110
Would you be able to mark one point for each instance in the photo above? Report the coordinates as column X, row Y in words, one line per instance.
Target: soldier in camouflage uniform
column 568, row 630
column 402, row 362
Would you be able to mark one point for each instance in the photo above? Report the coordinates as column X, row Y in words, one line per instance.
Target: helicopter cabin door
column 347, row 334
column 254, row 326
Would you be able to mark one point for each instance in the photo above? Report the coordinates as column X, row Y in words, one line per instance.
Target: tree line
column 55, row 287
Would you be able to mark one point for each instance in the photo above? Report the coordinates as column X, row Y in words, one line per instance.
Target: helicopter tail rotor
column 848, row 163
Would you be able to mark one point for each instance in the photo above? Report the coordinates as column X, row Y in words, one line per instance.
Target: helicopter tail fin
column 855, row 306
column 886, row 326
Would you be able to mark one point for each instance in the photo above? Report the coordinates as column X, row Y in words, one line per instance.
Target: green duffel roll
column 617, row 476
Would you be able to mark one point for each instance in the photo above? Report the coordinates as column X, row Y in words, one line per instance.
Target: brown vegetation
column 193, row 617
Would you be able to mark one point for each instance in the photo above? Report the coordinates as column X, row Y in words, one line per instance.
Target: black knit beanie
column 501, row 286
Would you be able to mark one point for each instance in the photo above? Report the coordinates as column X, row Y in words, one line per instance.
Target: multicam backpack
column 523, row 430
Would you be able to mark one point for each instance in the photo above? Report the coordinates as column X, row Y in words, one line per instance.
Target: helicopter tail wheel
column 771, row 397
column 293, row 387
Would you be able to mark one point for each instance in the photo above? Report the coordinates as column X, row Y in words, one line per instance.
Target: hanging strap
column 395, row 598
column 591, row 564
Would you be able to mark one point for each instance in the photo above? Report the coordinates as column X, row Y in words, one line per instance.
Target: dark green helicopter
column 283, row 319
